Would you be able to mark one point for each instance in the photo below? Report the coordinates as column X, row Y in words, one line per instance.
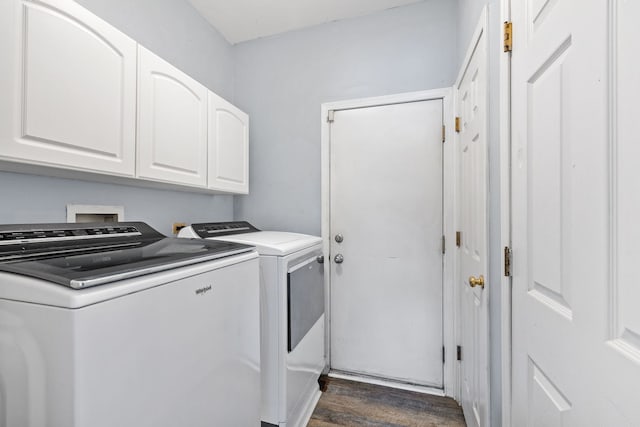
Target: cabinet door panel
column 228, row 146
column 73, row 80
column 172, row 123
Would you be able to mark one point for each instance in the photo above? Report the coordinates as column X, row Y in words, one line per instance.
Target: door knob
column 339, row 238
column 338, row 259
column 476, row 281
column 320, row 259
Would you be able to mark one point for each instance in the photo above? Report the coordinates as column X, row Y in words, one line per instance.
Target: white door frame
column 450, row 369
column 504, row 115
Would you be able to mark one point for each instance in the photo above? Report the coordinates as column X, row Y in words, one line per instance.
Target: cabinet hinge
column 458, row 353
column 444, row 133
column 331, row 116
column 507, row 261
column 458, row 239
column 443, row 358
column 458, row 124
column 444, row 247
column 508, row 36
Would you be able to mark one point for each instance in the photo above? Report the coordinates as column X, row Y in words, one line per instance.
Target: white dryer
column 105, row 325
column 292, row 312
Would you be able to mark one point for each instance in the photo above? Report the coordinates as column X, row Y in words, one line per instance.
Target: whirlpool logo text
column 203, row 291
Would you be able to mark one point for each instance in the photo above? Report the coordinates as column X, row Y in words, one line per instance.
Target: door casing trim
column 505, row 218
column 449, row 320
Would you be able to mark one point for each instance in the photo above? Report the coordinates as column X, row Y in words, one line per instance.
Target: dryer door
column 305, row 296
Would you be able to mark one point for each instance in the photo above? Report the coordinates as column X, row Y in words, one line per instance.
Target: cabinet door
column 228, row 146
column 67, row 80
column 172, row 123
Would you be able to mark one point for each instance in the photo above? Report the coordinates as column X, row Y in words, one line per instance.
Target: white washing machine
column 292, row 352
column 105, row 325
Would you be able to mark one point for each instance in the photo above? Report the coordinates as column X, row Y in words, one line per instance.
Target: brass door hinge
column 508, row 36
column 507, row 261
column 458, row 239
column 458, row 124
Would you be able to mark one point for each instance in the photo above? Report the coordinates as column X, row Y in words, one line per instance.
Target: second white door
column 386, row 242
column 472, row 239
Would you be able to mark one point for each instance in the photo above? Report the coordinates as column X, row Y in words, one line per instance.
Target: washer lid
column 274, row 243
column 79, row 256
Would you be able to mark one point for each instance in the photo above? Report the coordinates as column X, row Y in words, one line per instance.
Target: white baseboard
column 310, row 406
column 388, row 383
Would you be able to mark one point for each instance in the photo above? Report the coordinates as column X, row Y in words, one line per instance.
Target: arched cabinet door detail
column 172, row 123
column 228, row 146
column 71, row 81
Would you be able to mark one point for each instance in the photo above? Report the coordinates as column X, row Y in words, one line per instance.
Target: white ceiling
column 241, row 20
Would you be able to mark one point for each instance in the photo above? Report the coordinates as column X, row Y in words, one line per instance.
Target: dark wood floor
column 350, row 403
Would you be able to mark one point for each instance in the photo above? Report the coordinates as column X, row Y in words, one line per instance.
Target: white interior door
column 576, row 204
column 386, row 204
column 472, row 224
column 621, row 378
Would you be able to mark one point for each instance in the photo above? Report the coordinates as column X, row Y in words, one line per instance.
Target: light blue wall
column 175, row 31
column 30, row 198
column 468, row 16
column 281, row 81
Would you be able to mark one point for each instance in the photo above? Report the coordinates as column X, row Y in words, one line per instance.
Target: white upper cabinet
column 172, row 123
column 68, row 85
column 228, row 147
column 78, row 94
